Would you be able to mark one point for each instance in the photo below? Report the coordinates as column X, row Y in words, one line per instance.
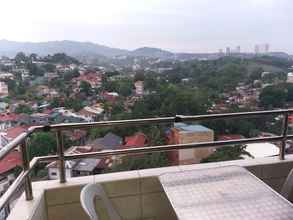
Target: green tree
column 33, row 57
column 273, row 97
column 61, row 58
column 24, row 109
column 227, row 153
column 125, row 88
column 151, row 82
column 49, row 67
column 69, row 75
column 289, row 88
column 20, row 58
column 112, row 73
column 35, row 70
column 85, row 87
column 42, row 144
column 172, row 100
column 256, row 74
column 139, row 76
column 73, row 103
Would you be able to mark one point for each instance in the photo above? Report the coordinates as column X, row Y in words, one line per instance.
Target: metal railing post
column 26, row 166
column 284, row 135
column 61, row 161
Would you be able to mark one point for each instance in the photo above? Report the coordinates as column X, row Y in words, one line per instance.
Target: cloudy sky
column 177, row 25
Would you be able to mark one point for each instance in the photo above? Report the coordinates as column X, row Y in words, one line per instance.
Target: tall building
column 267, row 48
column 220, row 51
column 238, row 49
column 184, row 134
column 261, row 48
column 228, row 51
column 256, row 49
column 3, row 89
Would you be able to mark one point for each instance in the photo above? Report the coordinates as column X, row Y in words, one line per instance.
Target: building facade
column 184, row 134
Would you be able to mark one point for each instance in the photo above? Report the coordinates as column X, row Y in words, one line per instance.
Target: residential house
column 8, row 120
column 93, row 112
column 42, row 90
column 110, row 96
column 3, row 89
column 62, row 115
column 23, row 72
column 51, row 75
column 76, row 135
column 93, row 78
column 80, row 167
column 137, row 140
column 11, row 133
column 5, row 75
column 62, row 68
column 183, row 134
column 7, row 169
column 3, row 107
column 39, row 118
column 109, row 142
column 139, row 88
column 40, row 80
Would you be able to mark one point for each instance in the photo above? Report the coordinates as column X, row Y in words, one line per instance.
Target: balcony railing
column 28, row 166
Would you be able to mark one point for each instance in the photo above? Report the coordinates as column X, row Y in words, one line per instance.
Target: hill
column 72, row 48
column 151, row 52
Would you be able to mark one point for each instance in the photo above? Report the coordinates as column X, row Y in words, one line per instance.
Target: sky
column 176, row 25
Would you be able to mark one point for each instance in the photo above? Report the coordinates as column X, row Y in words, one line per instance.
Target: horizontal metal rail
column 151, row 121
column 135, row 122
column 161, row 148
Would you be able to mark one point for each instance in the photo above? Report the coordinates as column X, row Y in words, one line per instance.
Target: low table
column 229, row 192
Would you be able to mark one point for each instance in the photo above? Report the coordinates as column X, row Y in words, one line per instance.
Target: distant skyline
column 175, row 25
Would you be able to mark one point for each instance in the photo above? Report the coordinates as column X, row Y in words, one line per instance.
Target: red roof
column 90, row 77
column 109, row 97
column 9, row 117
column 48, row 111
column 12, row 160
column 290, row 118
column 227, row 137
column 137, row 140
column 15, row 131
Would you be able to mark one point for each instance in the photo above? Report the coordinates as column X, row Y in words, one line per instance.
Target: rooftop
column 191, row 128
column 12, row 160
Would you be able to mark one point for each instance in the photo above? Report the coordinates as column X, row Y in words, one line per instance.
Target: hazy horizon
column 178, row 26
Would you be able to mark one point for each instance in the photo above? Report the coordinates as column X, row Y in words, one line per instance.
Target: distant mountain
column 72, row 48
column 88, row 50
column 151, row 52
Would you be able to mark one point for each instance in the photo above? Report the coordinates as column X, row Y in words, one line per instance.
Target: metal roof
column 191, row 128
